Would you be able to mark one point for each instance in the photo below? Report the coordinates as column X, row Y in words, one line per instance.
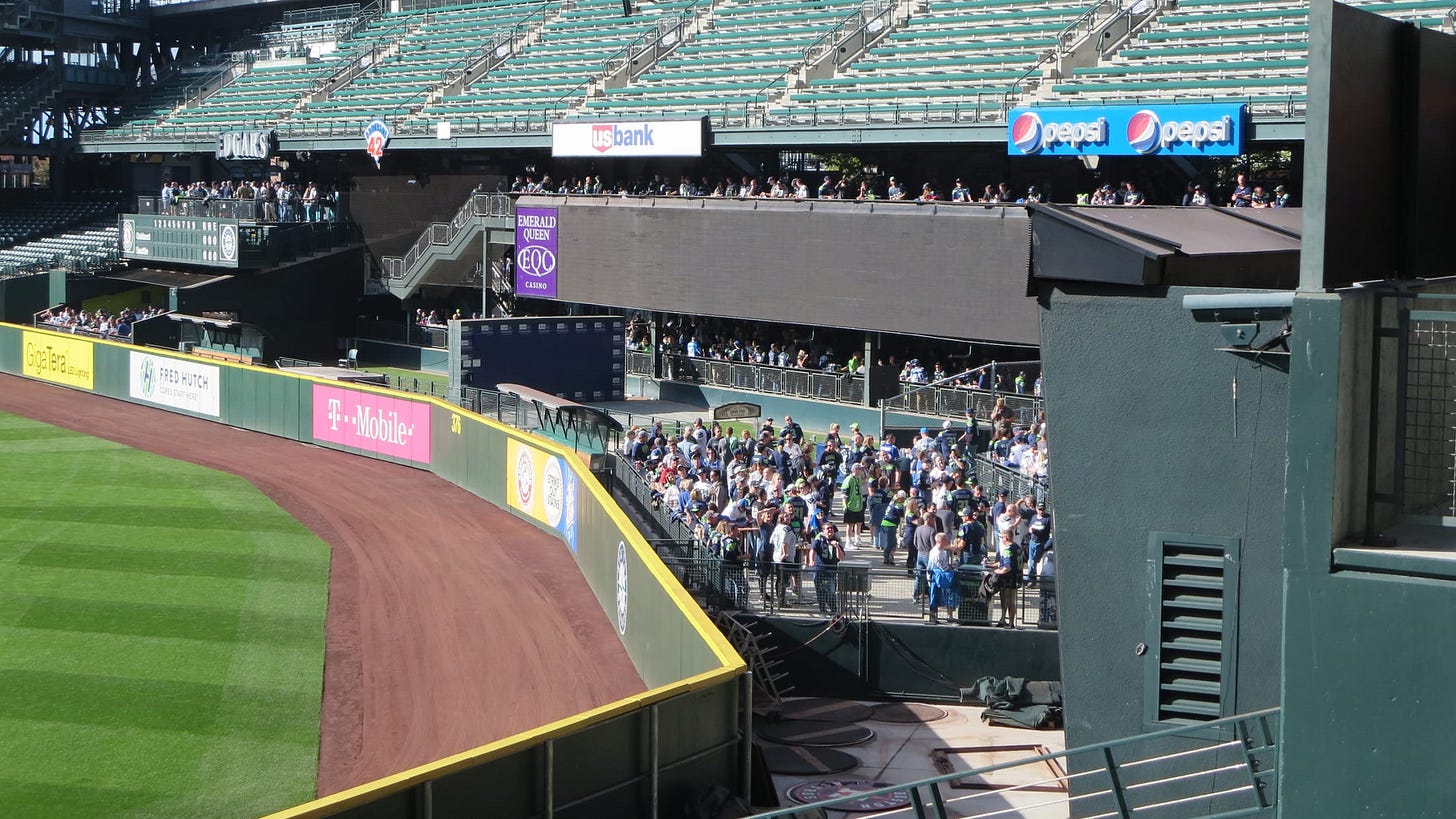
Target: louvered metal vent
column 1194, row 629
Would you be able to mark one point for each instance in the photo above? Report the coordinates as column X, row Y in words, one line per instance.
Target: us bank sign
column 628, row 138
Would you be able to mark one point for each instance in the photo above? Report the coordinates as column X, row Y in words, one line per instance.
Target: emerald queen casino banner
column 536, row 252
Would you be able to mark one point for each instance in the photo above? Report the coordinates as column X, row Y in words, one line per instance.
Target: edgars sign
column 536, row 252
column 1127, row 130
column 609, row 139
column 246, row 144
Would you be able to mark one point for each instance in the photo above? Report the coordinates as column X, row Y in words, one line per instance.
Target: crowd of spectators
column 441, row 318
column 775, row 187
column 276, row 201
column 758, row 344
column 761, row 499
column 96, row 322
column 1243, row 194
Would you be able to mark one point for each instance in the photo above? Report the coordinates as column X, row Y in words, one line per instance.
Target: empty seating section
column 260, row 96
column 316, row 25
column 736, row 63
column 14, row 90
column 1252, row 51
column 537, row 84
column 955, row 62
column 27, row 218
column 266, row 93
column 40, row 235
column 951, row 61
column 432, row 46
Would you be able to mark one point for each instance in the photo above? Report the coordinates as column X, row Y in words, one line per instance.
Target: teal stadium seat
column 1222, row 51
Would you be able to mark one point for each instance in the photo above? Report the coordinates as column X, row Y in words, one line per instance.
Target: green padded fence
column 685, row 726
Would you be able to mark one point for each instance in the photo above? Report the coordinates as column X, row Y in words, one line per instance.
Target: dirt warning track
column 451, row 623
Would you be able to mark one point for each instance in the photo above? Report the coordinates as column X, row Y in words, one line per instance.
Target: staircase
column 448, row 241
column 769, row 689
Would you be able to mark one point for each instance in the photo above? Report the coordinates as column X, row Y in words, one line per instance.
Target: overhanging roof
column 167, row 278
column 1228, row 247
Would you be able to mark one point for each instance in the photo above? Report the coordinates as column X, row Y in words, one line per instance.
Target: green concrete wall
column 22, row 297
column 880, row 660
column 1147, row 437
column 1366, row 725
column 374, row 353
column 304, row 308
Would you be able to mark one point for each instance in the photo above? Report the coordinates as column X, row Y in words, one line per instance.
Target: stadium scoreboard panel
column 180, row 239
column 576, row 357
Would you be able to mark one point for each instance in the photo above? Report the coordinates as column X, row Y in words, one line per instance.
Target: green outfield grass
column 161, row 635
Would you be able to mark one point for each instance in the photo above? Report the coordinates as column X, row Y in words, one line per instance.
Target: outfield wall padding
column 689, row 668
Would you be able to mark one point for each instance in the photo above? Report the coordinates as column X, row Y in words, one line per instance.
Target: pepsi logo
column 1026, row 132
column 1145, row 132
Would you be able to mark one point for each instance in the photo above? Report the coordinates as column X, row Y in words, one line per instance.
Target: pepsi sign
column 1127, row 130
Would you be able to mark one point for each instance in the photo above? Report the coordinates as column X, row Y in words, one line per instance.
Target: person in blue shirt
column 1039, row 537
column 972, row 536
column 824, row 555
column 945, row 440
column 1243, row 195
column 888, row 446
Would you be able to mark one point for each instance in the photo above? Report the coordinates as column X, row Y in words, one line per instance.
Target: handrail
column 624, row 55
column 1253, row 736
column 444, row 233
column 199, row 89
column 320, row 14
column 518, row 31
column 857, row 20
column 1065, row 37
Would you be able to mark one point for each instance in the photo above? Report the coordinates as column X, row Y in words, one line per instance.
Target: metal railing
column 1134, row 776
column 995, row 477
column 401, row 332
column 510, row 410
column 443, row 233
column 502, row 46
column 644, row 51
column 248, row 210
column 755, row 111
column 842, row 387
column 951, row 398
column 944, row 398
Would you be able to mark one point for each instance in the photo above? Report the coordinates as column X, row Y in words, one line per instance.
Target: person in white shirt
column 942, row 579
column 786, row 558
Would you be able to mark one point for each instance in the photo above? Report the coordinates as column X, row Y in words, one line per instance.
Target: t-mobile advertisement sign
column 371, row 422
column 536, row 252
